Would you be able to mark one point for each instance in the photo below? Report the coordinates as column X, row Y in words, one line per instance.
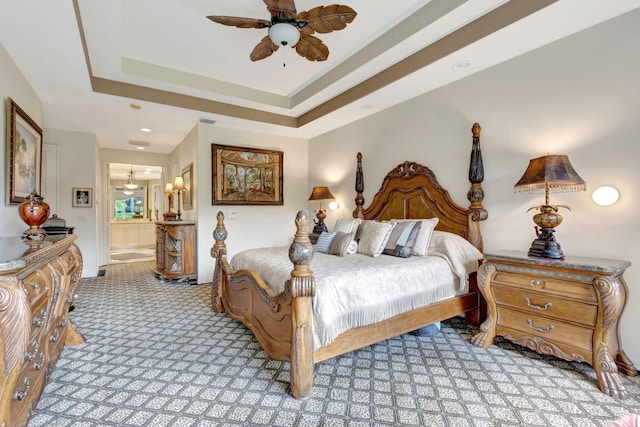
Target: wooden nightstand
column 569, row 309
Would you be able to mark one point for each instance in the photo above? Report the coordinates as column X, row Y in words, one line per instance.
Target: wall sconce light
column 169, row 215
column 551, row 173
column 605, row 195
column 319, row 195
column 178, row 187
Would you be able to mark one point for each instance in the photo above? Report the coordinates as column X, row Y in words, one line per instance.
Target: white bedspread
column 356, row 290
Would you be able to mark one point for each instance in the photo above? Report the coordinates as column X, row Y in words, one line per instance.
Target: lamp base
column 545, row 246
column 169, row 216
column 319, row 227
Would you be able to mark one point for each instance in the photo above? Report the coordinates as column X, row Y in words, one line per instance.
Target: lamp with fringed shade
column 319, row 195
column 548, row 174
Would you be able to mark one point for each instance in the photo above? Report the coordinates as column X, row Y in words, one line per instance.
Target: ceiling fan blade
column 325, row 19
column 312, row 48
column 235, row 21
column 286, row 6
column 263, row 49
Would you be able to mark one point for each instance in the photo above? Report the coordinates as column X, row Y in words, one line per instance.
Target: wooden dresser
column 569, row 309
column 176, row 251
column 37, row 286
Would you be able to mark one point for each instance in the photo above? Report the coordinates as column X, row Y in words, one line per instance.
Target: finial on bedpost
column 219, row 252
column 357, row 213
column 475, row 194
column 220, row 233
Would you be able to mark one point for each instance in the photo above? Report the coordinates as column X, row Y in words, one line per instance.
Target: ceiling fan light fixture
column 284, row 34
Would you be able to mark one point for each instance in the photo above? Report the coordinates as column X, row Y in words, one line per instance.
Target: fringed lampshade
column 551, row 173
column 319, row 195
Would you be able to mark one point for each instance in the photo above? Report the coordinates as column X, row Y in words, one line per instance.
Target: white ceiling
column 89, row 60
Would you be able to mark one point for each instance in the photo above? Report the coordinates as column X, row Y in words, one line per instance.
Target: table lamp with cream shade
column 178, row 187
column 550, row 173
column 319, row 195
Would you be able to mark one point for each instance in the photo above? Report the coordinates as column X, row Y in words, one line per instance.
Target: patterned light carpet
column 156, row 355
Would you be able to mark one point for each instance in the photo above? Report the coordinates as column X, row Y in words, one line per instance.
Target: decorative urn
column 34, row 212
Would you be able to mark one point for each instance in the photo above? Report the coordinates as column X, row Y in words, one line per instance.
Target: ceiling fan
column 289, row 28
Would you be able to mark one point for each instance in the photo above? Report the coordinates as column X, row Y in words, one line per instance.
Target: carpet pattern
column 156, row 355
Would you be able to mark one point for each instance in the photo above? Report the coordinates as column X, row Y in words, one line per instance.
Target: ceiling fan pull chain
column 284, row 57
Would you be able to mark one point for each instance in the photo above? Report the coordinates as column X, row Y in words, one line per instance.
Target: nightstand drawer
column 547, row 305
column 547, row 284
column 547, row 329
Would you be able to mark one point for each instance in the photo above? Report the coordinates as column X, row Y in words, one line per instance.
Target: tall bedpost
column 219, row 252
column 303, row 287
column 357, row 213
column 475, row 194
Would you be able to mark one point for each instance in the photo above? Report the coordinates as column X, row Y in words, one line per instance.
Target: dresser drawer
column 545, row 328
column 547, row 284
column 546, row 304
column 37, row 288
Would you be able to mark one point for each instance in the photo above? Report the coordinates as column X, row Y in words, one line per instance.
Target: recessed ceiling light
column 145, row 130
column 461, row 65
column 140, row 148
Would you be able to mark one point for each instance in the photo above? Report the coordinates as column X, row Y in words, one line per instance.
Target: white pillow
column 424, row 235
column 349, row 226
column 374, row 237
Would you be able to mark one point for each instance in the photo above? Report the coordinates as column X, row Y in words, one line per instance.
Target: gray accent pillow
column 403, row 239
column 324, row 242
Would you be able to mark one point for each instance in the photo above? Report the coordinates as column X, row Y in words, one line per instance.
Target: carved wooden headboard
column 412, row 191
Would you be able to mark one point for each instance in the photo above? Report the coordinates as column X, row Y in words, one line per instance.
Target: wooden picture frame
column 246, row 176
column 187, row 194
column 24, row 155
column 82, row 197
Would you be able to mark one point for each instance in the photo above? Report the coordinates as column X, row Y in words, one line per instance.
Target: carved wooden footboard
column 281, row 323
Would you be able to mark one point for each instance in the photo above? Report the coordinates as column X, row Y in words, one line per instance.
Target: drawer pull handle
column 39, row 321
column 40, row 364
column 538, row 329
column 20, row 395
column 537, row 307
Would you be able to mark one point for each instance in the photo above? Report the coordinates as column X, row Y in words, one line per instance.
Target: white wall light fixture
column 605, row 195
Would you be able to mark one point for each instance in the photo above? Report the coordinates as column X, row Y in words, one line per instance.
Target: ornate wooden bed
column 282, row 323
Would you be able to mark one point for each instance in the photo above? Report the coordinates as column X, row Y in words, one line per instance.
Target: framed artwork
column 187, row 194
column 82, row 197
column 246, row 176
column 24, row 155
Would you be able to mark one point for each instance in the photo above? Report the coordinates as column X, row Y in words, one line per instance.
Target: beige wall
column 562, row 99
column 254, row 226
